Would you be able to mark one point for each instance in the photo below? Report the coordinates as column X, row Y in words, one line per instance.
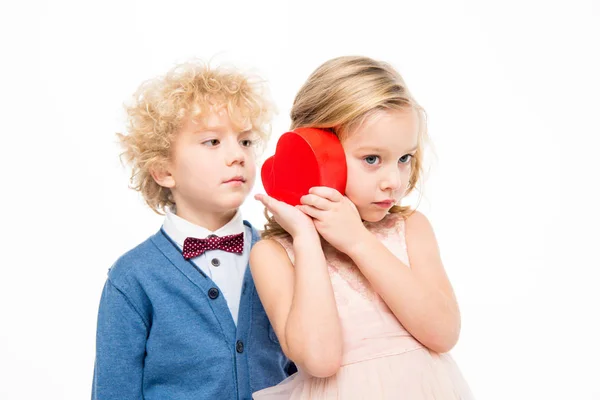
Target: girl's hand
column 335, row 217
column 292, row 219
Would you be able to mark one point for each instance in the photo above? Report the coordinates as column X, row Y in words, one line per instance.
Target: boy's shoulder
column 255, row 232
column 134, row 262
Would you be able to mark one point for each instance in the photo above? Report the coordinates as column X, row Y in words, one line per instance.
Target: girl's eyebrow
column 372, row 148
column 376, row 149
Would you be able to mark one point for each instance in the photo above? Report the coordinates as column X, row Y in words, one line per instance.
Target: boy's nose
column 235, row 155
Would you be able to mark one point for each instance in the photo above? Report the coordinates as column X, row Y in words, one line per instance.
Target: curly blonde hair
column 340, row 95
column 160, row 107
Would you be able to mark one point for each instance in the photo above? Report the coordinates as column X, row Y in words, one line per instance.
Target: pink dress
column 381, row 360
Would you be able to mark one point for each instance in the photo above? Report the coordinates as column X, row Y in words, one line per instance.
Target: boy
column 179, row 316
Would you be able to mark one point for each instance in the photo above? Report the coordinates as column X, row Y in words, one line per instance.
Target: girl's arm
column 298, row 298
column 299, row 302
column 421, row 296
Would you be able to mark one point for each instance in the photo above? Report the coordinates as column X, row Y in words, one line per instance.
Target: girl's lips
column 384, row 204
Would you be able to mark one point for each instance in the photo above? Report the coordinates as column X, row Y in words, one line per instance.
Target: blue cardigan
column 165, row 332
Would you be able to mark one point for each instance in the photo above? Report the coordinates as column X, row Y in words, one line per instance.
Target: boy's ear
column 162, row 176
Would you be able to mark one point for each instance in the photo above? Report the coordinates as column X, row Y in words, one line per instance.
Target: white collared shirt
column 225, row 269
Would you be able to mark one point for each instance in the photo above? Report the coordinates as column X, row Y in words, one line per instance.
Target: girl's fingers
column 312, row 211
column 268, row 202
column 326, row 192
column 316, row 201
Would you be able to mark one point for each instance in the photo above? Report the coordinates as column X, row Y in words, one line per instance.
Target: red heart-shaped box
column 304, row 158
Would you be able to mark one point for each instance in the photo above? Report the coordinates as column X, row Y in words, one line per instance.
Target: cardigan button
column 213, row 293
column 239, row 346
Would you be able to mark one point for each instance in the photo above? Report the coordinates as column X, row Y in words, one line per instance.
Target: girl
column 354, row 285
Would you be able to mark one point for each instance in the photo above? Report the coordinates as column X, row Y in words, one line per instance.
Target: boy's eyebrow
column 202, row 129
column 219, row 129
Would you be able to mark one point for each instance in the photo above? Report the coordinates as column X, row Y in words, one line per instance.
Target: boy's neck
column 209, row 220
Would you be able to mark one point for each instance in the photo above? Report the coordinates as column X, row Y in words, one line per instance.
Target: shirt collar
column 179, row 229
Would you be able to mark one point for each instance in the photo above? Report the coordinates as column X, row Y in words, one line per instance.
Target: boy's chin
column 231, row 203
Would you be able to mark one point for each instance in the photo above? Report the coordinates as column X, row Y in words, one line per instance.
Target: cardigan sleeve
column 120, row 347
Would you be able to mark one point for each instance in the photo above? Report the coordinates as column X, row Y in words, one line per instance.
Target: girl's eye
column 247, row 142
column 405, row 158
column 371, row 160
column 212, row 142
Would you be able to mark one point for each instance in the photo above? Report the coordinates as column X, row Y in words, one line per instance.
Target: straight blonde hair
column 340, row 95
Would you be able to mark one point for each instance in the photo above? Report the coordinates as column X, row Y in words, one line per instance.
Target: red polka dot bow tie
column 193, row 247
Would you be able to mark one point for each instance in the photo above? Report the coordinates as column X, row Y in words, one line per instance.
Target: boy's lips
column 235, row 179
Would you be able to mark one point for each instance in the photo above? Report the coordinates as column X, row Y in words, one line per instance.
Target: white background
column 512, row 91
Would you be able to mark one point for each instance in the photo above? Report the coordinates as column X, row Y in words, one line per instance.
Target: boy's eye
column 371, row 160
column 247, row 142
column 405, row 158
column 211, row 142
